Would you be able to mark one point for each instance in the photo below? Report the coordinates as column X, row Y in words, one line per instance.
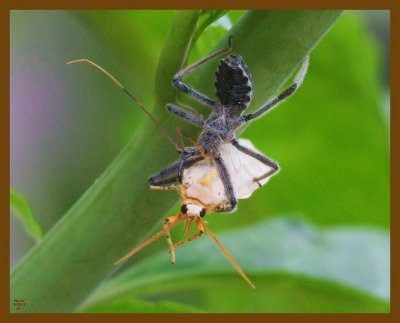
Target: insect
column 202, row 191
column 206, row 182
column 234, row 88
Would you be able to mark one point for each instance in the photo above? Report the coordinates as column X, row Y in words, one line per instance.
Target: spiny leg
column 286, row 93
column 188, row 116
column 226, row 254
column 161, row 184
column 226, row 181
column 177, row 80
column 263, row 159
column 180, row 133
column 189, row 153
column 200, row 229
column 163, row 177
column 190, row 109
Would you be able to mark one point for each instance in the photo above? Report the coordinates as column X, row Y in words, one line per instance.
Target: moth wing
column 203, row 183
column 244, row 168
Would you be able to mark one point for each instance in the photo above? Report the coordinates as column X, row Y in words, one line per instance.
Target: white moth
column 202, row 191
column 202, row 182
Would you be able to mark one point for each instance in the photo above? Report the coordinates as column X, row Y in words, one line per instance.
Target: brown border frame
column 7, row 5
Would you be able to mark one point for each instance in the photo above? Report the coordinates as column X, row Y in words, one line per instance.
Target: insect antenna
column 138, row 103
column 227, row 254
column 187, row 226
column 179, row 136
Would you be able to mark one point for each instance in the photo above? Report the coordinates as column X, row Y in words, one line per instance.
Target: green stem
column 79, row 252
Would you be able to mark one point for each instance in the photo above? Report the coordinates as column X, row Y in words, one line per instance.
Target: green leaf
column 282, row 40
column 118, row 210
column 330, row 139
column 129, row 305
column 358, row 258
column 207, row 17
column 275, row 293
column 79, row 251
column 22, row 210
column 131, row 53
column 280, row 293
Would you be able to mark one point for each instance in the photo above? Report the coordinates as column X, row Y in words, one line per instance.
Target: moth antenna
column 187, row 226
column 138, row 103
column 180, row 139
column 227, row 254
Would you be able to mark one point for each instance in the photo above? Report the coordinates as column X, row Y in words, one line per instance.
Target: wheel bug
column 234, row 92
column 202, row 191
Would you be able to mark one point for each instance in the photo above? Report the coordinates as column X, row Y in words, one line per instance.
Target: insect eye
column 184, row 209
column 203, row 213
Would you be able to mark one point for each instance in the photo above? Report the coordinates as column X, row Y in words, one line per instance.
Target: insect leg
column 189, row 153
column 169, row 224
column 286, row 93
column 177, row 80
column 226, row 180
column 190, row 109
column 165, row 188
column 163, row 177
column 263, row 159
column 227, row 254
column 200, row 229
column 178, row 111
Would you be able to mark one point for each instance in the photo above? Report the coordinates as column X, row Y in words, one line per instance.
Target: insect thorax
column 234, row 84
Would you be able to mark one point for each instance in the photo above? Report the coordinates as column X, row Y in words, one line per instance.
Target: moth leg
column 200, row 229
column 165, row 188
column 227, row 254
column 170, row 223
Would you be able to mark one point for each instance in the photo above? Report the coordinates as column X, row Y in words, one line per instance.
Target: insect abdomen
column 233, row 82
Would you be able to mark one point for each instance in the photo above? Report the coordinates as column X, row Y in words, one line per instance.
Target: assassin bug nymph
column 202, row 189
column 214, row 186
column 234, row 88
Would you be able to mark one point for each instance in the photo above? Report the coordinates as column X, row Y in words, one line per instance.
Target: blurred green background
column 322, row 224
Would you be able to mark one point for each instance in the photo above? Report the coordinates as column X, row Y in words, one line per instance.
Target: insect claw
column 258, row 183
